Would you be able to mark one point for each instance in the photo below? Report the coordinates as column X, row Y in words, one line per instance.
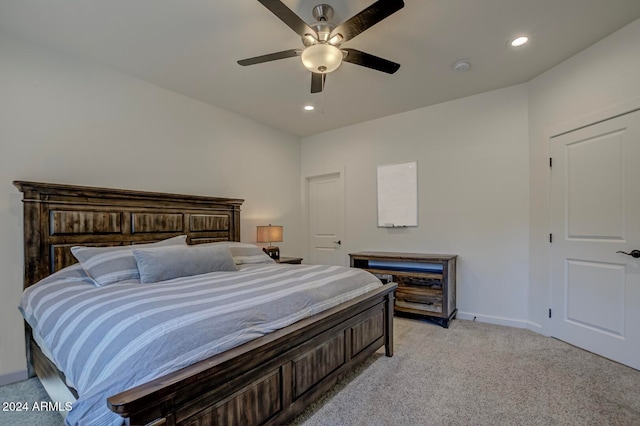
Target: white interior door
column 325, row 205
column 595, row 203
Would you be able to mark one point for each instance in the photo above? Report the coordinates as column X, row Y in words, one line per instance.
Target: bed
column 267, row 380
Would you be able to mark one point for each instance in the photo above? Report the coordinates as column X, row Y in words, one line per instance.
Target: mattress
column 109, row 339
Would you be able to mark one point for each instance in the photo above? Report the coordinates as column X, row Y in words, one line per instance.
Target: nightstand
column 290, row 260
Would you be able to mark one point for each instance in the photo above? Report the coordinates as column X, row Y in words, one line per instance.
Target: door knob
column 634, row 253
column 340, row 242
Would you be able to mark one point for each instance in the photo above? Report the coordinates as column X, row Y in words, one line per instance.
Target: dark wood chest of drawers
column 426, row 282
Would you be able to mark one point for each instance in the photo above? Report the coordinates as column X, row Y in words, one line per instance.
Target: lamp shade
column 321, row 58
column 269, row 234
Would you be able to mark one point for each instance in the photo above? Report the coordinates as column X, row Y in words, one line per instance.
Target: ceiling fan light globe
column 309, row 40
column 321, row 58
column 336, row 40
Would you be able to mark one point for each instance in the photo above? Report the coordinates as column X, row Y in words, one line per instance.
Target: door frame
column 305, row 210
column 605, row 114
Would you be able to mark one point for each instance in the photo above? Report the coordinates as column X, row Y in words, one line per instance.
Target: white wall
column 600, row 81
column 67, row 121
column 473, row 183
column 483, row 166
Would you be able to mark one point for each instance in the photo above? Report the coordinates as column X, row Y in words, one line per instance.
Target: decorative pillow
column 108, row 265
column 243, row 253
column 165, row 263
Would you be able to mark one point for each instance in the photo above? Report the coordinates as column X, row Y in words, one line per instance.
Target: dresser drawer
column 415, row 299
column 410, row 281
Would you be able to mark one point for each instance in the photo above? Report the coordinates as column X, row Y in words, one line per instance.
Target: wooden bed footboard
column 271, row 379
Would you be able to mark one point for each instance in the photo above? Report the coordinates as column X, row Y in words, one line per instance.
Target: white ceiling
column 191, row 47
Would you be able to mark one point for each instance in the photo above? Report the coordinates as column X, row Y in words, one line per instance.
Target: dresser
column 426, row 282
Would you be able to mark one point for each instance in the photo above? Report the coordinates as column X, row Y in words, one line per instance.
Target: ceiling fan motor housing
column 323, row 27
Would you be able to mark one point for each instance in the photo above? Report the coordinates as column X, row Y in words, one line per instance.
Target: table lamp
column 270, row 234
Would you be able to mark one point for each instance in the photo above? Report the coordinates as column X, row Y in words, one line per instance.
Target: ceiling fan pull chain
column 322, row 97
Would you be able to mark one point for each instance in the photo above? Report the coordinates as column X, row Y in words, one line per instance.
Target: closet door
column 595, row 190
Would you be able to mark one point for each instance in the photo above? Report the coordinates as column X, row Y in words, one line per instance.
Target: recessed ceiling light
column 309, row 107
column 519, row 41
column 462, row 65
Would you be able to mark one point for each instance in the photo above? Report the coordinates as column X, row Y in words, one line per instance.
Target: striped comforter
column 109, row 339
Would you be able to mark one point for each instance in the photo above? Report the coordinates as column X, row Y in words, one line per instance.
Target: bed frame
column 266, row 381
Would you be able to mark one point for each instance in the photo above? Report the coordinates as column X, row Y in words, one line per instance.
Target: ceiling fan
column 322, row 39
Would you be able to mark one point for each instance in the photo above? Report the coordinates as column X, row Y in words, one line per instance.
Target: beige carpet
column 481, row 374
column 470, row 374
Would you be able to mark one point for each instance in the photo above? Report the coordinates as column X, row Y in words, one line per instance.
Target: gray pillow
column 108, row 265
column 165, row 263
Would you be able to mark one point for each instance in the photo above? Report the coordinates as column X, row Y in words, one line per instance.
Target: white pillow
column 245, row 254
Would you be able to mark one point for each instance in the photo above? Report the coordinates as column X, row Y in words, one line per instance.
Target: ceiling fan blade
column 367, row 18
column 287, row 16
column 270, row 57
column 317, row 82
column 370, row 61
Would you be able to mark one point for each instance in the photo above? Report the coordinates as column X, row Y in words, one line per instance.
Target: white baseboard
column 537, row 328
column 509, row 322
column 16, row 376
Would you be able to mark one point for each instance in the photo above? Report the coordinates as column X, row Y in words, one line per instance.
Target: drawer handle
column 422, row 282
column 418, row 301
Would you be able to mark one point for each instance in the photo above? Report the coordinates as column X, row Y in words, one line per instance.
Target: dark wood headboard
column 57, row 217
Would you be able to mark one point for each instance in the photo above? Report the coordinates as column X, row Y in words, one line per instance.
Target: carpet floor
column 469, row 374
column 481, row 374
